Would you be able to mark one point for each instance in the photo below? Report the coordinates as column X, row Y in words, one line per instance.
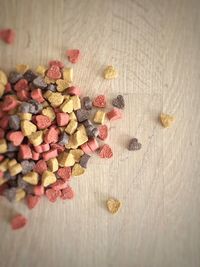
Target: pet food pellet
column 86, row 149
column 50, row 154
column 29, row 75
column 61, row 85
column 28, row 127
column 99, row 101
column 36, row 138
column 4, row 165
column 62, row 119
column 39, row 82
column 8, row 36
column 12, row 163
column 72, row 116
column 38, row 190
column 103, row 132
column 18, row 221
column 49, row 81
column 93, row 144
column 73, row 55
column 35, row 107
column 99, row 117
column 52, row 194
column 40, row 167
column 11, row 147
column 27, row 166
column 2, row 89
column 80, row 138
column 77, row 170
column 22, row 68
column 15, row 137
column 84, row 160
column 56, row 99
column 105, row 152
column 48, row 178
column 31, row 178
column 77, row 153
column 65, row 159
column 92, row 131
column 67, row 193
column 113, row 205
column 3, row 78
column 82, row 115
column 63, row 139
column 87, row 103
column 9, row 103
column 71, row 127
column 56, row 63
column 114, row 114
column 40, row 70
column 51, row 135
column 51, row 87
column 20, row 194
column 166, row 120
column 52, row 164
column 14, row 77
column 73, row 90
column 110, row 73
column 15, row 169
column 35, row 155
column 49, row 112
column 67, row 106
column 42, row 121
column 54, row 72
column 25, row 152
column 3, row 146
column 21, row 85
column 23, row 95
column 76, row 102
column 64, row 173
column 25, row 116
column 118, row 102
column 134, row 144
column 36, row 94
column 32, row 201
column 68, row 74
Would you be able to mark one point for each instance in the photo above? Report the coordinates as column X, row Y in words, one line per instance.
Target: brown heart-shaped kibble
column 118, row 102
column 134, row 144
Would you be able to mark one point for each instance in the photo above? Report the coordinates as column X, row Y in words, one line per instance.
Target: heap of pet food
column 46, row 135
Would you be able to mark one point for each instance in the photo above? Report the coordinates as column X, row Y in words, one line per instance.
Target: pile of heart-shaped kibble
column 46, row 135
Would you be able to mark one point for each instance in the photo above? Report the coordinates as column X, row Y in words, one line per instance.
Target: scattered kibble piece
column 99, row 117
column 118, row 102
column 134, row 144
column 103, row 132
column 110, row 73
column 113, row 205
column 105, row 151
column 166, row 120
column 7, row 35
column 99, row 101
column 73, row 55
column 114, row 114
column 18, row 221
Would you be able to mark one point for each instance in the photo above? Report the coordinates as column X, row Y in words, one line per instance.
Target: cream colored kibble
column 67, row 106
column 65, row 159
column 3, row 146
column 48, row 178
column 71, row 127
column 68, row 74
column 31, row 178
column 52, row 164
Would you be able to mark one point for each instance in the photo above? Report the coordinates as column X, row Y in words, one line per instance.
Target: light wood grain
column 155, row 46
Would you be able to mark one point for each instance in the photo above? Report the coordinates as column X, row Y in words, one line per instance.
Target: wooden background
column 155, row 45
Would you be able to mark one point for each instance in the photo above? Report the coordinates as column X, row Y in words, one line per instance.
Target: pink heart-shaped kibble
column 15, row 137
column 73, row 55
column 54, row 72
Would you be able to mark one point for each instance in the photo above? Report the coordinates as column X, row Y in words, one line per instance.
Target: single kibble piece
column 76, row 102
column 118, row 102
column 114, row 114
column 76, row 153
column 28, row 127
column 40, row 70
column 49, row 112
column 110, row 73
column 105, row 152
column 113, row 205
column 87, row 103
column 20, row 194
column 82, row 115
column 99, row 101
column 3, row 146
column 134, row 145
column 36, row 138
column 166, row 120
column 31, row 178
column 3, row 78
column 73, row 55
column 67, row 106
column 77, row 170
column 84, row 160
column 52, row 164
column 65, row 159
column 15, row 169
column 68, row 74
column 22, row 68
column 61, row 85
column 48, row 178
column 17, row 222
column 56, row 99
column 99, row 117
column 71, row 127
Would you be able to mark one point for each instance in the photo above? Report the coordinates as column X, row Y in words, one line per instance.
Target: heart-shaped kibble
column 54, row 72
column 113, row 205
column 118, row 102
column 99, row 101
column 134, row 145
column 73, row 55
column 15, row 137
column 39, row 83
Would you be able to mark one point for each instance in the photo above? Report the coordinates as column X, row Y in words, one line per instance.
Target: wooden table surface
column 155, row 45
